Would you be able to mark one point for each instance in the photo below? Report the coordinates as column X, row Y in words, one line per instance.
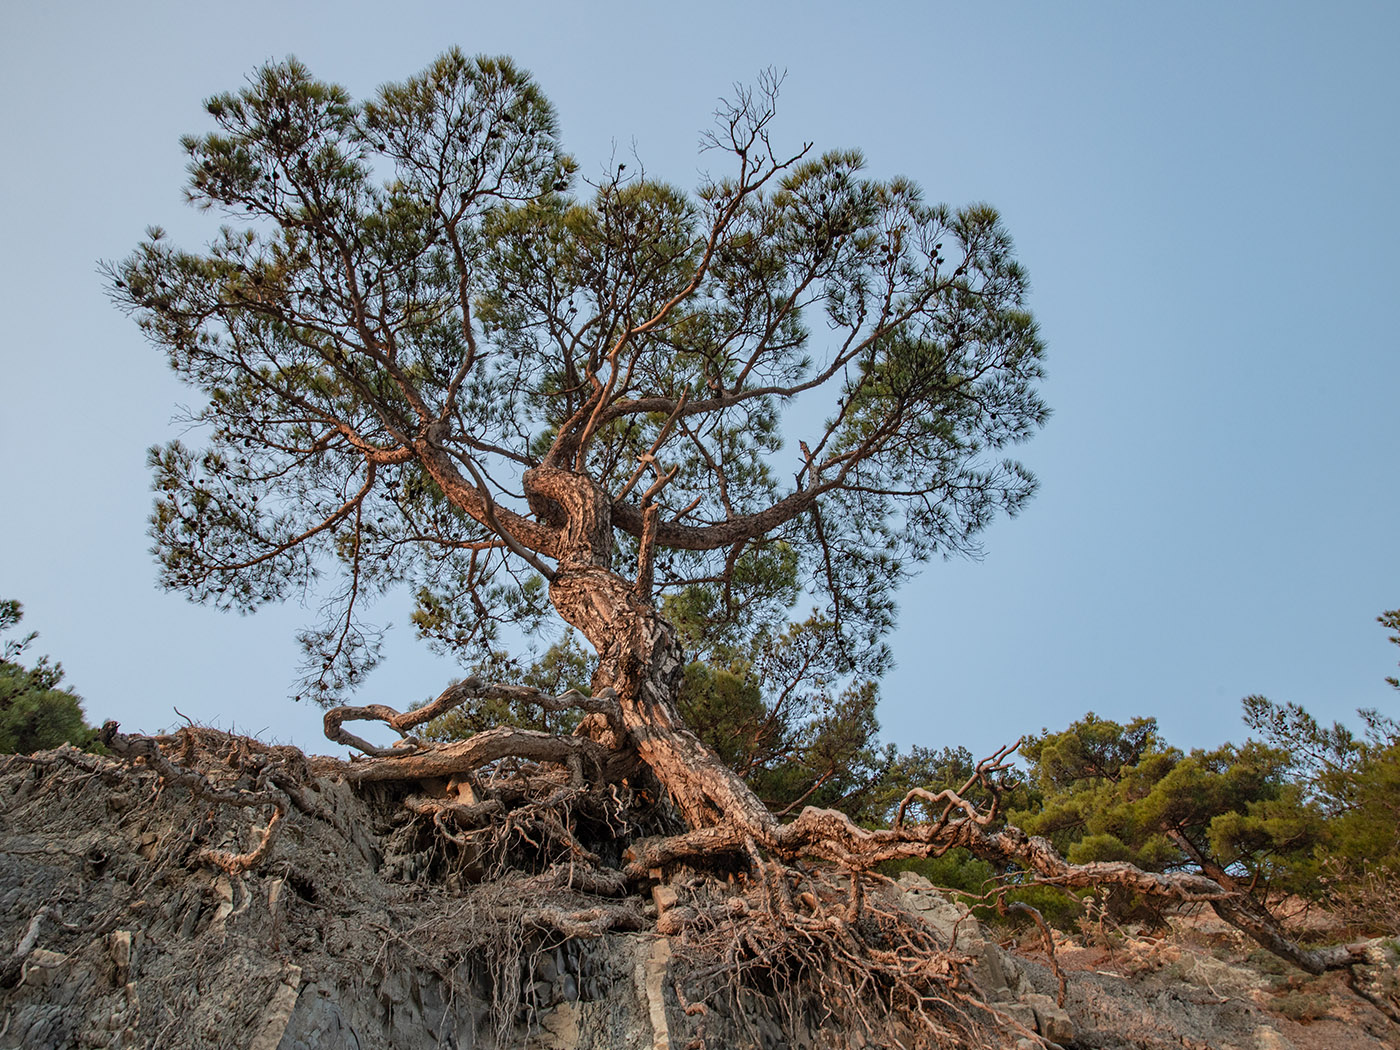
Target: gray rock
column 1021, row 1013
column 568, row 988
column 995, row 971
column 1050, row 1020
column 546, row 969
column 318, row 1024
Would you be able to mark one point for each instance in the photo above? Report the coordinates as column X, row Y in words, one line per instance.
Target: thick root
column 605, row 705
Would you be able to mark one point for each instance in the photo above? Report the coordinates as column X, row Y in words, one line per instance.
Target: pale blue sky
column 1204, row 195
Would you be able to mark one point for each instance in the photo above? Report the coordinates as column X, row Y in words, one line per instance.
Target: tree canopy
column 412, row 319
column 1352, row 782
column 1300, row 807
column 425, row 360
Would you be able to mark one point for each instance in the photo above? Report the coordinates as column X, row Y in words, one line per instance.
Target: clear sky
column 1204, row 194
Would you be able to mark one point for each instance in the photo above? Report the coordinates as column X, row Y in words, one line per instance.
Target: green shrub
column 35, row 713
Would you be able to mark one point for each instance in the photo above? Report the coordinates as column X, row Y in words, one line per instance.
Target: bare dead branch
column 646, row 552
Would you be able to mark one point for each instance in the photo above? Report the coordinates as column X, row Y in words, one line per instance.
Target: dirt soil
column 114, row 933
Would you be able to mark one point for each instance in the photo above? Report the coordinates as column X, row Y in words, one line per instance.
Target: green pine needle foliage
column 35, row 714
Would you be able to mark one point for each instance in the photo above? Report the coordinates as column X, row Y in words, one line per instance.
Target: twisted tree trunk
column 639, row 660
column 632, row 716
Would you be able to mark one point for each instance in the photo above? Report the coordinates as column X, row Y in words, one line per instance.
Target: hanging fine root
column 562, row 847
column 801, row 911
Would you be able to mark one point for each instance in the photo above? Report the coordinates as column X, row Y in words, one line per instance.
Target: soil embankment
column 114, row 933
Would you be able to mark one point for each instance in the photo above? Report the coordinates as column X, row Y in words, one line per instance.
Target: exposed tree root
column 502, row 928
column 743, row 835
column 261, row 776
column 1386, row 1000
column 581, row 755
column 1047, row 939
column 787, row 925
column 800, row 947
column 605, row 704
column 832, row 836
column 259, row 767
column 547, row 841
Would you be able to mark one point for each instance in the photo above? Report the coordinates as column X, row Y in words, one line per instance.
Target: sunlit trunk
column 639, row 658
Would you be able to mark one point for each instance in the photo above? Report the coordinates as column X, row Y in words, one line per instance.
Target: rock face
column 997, row 973
column 111, row 936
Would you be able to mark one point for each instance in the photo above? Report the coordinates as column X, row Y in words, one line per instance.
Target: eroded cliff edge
column 347, row 936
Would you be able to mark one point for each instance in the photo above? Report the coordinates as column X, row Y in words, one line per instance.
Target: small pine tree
column 1118, row 792
column 34, row 712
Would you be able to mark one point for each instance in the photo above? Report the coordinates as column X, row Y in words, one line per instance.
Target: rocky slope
column 115, row 934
